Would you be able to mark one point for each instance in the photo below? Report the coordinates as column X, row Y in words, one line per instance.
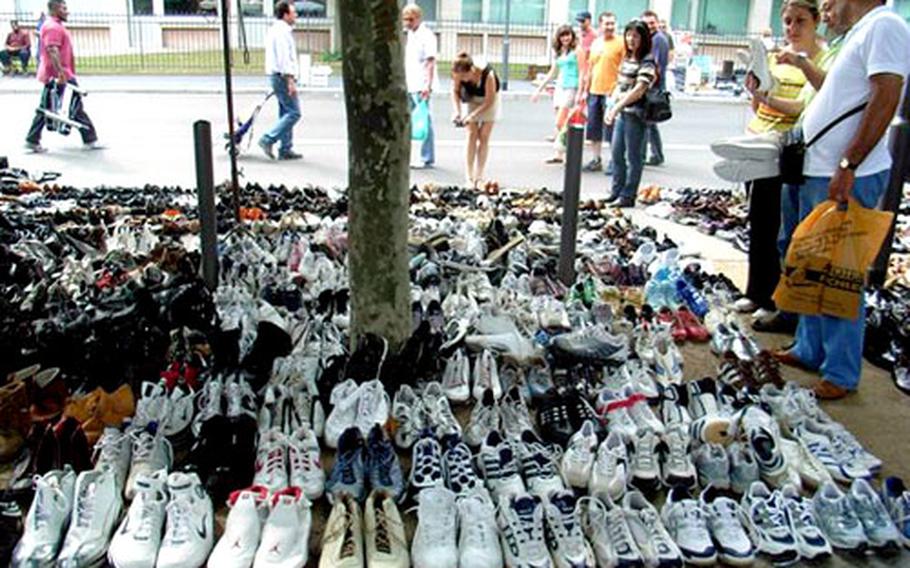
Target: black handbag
column 793, row 151
column 657, row 106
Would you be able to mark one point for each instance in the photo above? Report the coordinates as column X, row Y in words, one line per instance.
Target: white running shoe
column 811, row 472
column 345, row 400
column 568, row 544
column 182, row 407
column 304, row 465
column 386, row 545
column 45, row 523
column 151, row 452
column 407, row 416
column 113, row 452
column 836, row 516
column 609, row 473
column 539, row 466
column 521, row 531
column 687, row 523
column 478, row 542
column 676, row 467
column 713, row 466
column 456, row 379
column 810, row 540
column 644, row 470
column 373, row 406
column 881, row 532
column 271, row 468
column 486, row 376
column 153, row 406
column 578, row 459
column 434, row 544
column 740, row 171
column 500, row 467
column 608, row 532
column 484, row 419
column 190, row 526
column 286, row 534
column 724, row 521
column 763, row 147
column 237, row 546
column 135, row 544
column 767, row 524
column 651, row 537
column 96, row 509
column 342, row 540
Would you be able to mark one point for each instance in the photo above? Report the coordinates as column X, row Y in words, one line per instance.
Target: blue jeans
column 832, row 345
column 654, row 141
column 428, row 148
column 789, row 217
column 628, row 155
column 23, row 56
column 288, row 116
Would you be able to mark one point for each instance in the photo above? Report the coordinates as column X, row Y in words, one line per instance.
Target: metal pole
column 900, row 172
column 205, row 192
column 229, row 94
column 505, row 47
column 570, row 195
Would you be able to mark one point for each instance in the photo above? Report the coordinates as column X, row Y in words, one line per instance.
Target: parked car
column 249, row 7
column 310, row 8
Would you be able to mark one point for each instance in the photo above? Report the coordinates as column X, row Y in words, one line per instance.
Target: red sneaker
column 677, row 329
column 694, row 328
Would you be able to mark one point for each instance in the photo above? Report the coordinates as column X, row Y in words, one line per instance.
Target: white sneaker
column 668, row 361
column 434, row 544
column 578, row 459
column 182, row 406
column 767, row 524
column 500, row 467
column 286, row 534
column 46, row 520
column 568, row 545
column 521, row 531
column 151, row 452
column 486, row 376
column 271, row 468
column 651, row 537
column 763, row 147
column 135, row 544
column 113, row 452
column 740, row 171
column 237, row 546
column 386, row 545
column 676, row 466
column 406, row 413
column 342, row 540
column 641, row 413
column 608, row 532
column 609, row 473
column 373, row 406
column 713, row 466
column 345, row 399
column 724, row 521
column 745, row 305
column 440, row 413
column 456, row 379
column 644, row 471
column 190, row 526
column 687, row 523
column 304, row 465
column 478, row 542
column 810, row 540
column 810, row 471
column 484, row 419
column 539, row 466
column 620, row 421
column 153, row 406
column 759, row 65
column 96, row 509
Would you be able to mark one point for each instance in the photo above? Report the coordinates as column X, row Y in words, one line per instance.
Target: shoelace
column 143, row 446
column 42, row 508
column 237, row 393
column 146, row 516
column 275, row 460
column 108, row 449
column 651, row 521
column 770, row 516
column 85, row 508
column 178, row 521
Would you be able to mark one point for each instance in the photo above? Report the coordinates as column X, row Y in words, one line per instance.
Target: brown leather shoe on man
column 826, row 390
column 789, row 359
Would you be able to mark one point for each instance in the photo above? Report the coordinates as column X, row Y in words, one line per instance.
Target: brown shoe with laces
column 826, row 390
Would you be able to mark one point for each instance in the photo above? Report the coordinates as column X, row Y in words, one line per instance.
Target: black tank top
column 471, row 90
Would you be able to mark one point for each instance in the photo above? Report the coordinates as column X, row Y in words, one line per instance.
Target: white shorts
column 564, row 97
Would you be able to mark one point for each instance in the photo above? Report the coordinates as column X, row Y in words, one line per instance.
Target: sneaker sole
column 739, row 171
column 759, row 151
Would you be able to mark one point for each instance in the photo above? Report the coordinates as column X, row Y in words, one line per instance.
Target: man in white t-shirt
column 281, row 68
column 420, row 70
column 850, row 160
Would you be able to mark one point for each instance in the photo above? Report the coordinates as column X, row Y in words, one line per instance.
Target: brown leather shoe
column 789, row 359
column 826, row 390
column 49, row 397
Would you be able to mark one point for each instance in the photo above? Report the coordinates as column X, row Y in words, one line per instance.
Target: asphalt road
column 148, row 139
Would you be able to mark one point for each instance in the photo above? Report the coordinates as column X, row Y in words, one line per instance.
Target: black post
column 505, row 47
column 229, row 94
column 900, row 172
column 205, row 192
column 570, row 195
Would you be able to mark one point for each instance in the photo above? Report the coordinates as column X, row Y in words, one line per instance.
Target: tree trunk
column 378, row 155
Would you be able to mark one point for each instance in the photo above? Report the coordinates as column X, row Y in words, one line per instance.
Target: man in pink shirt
column 57, row 68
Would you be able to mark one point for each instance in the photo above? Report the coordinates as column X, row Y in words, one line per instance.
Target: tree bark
column 378, row 156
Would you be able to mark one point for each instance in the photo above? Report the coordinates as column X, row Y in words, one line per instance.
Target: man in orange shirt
column 597, row 85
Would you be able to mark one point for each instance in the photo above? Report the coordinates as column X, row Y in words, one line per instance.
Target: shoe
column 267, row 149
column 150, row 453
column 625, row 203
column 594, row 165
column 687, row 523
column 764, row 147
column 286, row 533
column 289, row 155
column 745, row 305
column 342, row 539
column 641, row 413
column 96, row 510
column 881, row 533
column 486, row 376
column 500, row 467
column 578, row 458
column 809, row 470
column 521, row 531
column 676, row 467
column 135, row 543
column 838, row 519
column 440, row 412
column 272, row 461
column 113, row 452
column 758, row 66
column 456, row 378
column 761, row 433
column 237, row 546
column 47, row 518
column 741, row 171
column 592, row 344
column 826, row 390
column 381, row 463
column 723, row 517
column 651, row 537
column 608, row 532
column 189, row 528
column 567, row 545
column 373, row 405
column 539, row 466
column 460, row 476
column 304, row 465
column 348, row 476
column 695, row 331
column 652, row 161
column 406, row 417
column 644, row 471
column 434, row 544
column 484, row 419
column 713, row 466
column 384, row 535
column 35, row 148
column 554, row 420
column 810, row 539
column 345, row 411
column 768, row 525
column 896, row 498
column 426, row 465
column 610, row 470
column 778, row 323
column 708, row 424
column 478, row 541
column 840, row 465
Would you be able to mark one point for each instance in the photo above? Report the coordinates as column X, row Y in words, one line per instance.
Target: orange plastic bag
column 829, row 255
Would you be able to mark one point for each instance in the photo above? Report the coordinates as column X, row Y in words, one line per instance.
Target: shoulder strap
column 837, row 121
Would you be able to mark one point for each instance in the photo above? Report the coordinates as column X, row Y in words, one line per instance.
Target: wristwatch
column 846, row 164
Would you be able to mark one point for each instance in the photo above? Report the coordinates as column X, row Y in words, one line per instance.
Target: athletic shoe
column 500, row 467
column 741, row 171
column 753, row 147
column 538, row 466
column 486, row 376
column 641, row 413
column 434, row 544
column 152, row 408
column 594, row 344
column 619, row 420
column 579, row 457
column 851, row 454
column 897, row 501
column 515, row 417
column 271, row 469
column 608, row 532
column 838, row 520
column 96, row 510
column 113, row 452
column 553, row 417
column 348, row 476
column 189, row 529
column 342, row 539
column 456, row 378
column 881, row 533
column 386, row 546
column 237, row 546
column 459, row 473
column 478, row 542
column 809, row 470
column 651, row 537
column 819, row 446
column 673, row 406
column 136, row 542
column 484, row 419
column 708, row 424
column 724, row 521
column 810, row 539
column 345, row 399
column 713, row 466
column 687, row 523
column 426, row 465
column 768, row 525
column 668, row 361
column 150, row 453
column 644, row 470
column 286, row 533
column 182, row 407
column 46, row 521
column 676, row 467
column 521, row 531
column 406, row 413
column 440, row 413
column 381, row 462
column 743, row 467
column 567, row 544
column 610, row 470
column 762, row 435
column 373, row 405
column 304, row 465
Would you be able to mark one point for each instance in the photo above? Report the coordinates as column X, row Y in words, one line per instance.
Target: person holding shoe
column 281, row 68
column 569, row 59
column 478, row 87
column 637, row 74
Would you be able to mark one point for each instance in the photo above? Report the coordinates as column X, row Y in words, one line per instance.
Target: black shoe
column 780, row 323
column 290, row 155
column 554, row 417
column 613, row 197
column 594, row 165
column 654, row 162
column 626, row 203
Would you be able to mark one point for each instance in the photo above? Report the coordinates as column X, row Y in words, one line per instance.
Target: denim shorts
column 596, row 107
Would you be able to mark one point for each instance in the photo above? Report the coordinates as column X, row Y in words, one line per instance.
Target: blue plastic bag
column 420, row 120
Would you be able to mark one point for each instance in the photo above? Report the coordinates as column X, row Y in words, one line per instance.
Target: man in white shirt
column 281, row 68
column 420, row 70
column 850, row 160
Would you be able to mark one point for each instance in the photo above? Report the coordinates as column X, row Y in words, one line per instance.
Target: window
column 723, row 16
column 472, row 10
column 429, row 9
column 310, row 8
column 521, row 11
column 142, row 7
column 576, row 6
column 679, row 19
column 180, row 6
column 625, row 10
